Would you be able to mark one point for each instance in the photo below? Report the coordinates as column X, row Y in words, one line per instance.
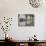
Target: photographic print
column 25, row 19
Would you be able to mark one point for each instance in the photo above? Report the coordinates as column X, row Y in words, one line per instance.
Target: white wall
column 12, row 8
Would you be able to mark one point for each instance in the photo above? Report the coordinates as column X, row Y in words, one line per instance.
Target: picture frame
column 25, row 19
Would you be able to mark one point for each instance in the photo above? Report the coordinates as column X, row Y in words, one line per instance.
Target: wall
column 11, row 8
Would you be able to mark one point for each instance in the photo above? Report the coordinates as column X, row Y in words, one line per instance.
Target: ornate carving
column 35, row 3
